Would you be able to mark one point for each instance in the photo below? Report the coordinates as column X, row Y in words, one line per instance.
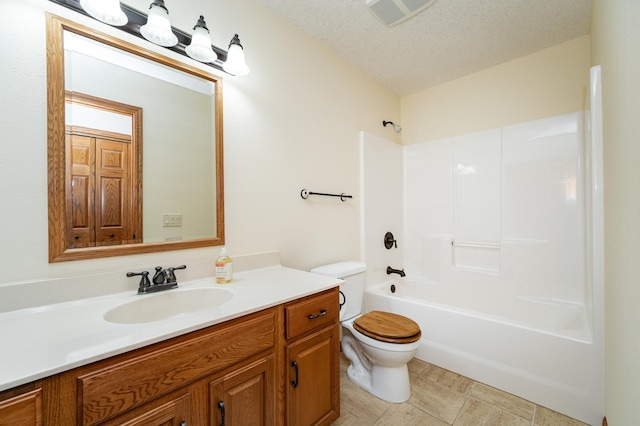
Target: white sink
column 169, row 303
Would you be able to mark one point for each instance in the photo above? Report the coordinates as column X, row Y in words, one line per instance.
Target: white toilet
column 378, row 344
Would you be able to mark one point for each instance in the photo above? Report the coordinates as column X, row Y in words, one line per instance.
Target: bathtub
column 540, row 350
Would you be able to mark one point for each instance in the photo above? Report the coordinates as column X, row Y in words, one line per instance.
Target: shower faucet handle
column 389, row 241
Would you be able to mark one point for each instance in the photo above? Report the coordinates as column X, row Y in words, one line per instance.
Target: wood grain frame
column 58, row 251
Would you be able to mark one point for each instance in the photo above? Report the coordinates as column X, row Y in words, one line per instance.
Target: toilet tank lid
column 341, row 269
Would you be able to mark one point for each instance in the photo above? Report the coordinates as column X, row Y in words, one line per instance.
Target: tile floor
column 440, row 397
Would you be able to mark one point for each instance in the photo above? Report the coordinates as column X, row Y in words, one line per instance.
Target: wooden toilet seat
column 388, row 327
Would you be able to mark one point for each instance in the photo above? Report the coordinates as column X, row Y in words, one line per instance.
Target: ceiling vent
column 393, row 12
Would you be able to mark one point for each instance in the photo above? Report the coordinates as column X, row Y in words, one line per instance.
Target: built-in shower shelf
column 475, row 256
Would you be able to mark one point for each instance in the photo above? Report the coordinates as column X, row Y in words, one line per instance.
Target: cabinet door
column 245, row 396
column 313, row 387
column 172, row 413
column 22, row 410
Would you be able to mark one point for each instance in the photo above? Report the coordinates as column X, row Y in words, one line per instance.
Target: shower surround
column 500, row 235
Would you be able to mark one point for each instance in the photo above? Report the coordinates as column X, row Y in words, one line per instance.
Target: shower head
column 396, row 127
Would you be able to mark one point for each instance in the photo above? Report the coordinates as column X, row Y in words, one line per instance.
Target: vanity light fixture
column 200, row 47
column 158, row 27
column 107, row 11
column 197, row 45
column 235, row 63
column 396, row 127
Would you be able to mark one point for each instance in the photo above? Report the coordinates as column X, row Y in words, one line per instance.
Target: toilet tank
column 352, row 290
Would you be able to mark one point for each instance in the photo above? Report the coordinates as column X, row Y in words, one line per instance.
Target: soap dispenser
column 224, row 268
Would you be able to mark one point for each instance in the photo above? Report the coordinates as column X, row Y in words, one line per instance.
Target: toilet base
column 388, row 383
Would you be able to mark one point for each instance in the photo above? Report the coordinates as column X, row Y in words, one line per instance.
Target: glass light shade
column 158, row 28
column 235, row 63
column 107, row 11
column 200, row 47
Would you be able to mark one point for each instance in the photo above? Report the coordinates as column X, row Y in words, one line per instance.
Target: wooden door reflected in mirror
column 103, row 180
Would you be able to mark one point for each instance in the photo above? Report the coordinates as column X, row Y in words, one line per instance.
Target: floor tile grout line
column 466, row 396
column 460, row 411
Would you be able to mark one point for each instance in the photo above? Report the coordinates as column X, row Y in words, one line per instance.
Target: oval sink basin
column 170, row 303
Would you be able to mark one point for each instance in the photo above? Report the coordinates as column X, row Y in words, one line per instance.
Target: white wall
column 550, row 82
column 616, row 47
column 292, row 123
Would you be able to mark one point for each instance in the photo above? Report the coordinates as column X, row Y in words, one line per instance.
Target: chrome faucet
column 163, row 279
column 400, row 272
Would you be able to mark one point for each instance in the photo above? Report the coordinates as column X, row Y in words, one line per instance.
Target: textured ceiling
column 450, row 39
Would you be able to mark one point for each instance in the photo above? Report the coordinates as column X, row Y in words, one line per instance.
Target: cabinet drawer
column 118, row 387
column 311, row 313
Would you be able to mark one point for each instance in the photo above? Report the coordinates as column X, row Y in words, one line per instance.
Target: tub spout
column 390, row 271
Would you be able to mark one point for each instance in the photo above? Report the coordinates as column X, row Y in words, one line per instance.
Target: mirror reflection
column 102, row 175
column 141, row 137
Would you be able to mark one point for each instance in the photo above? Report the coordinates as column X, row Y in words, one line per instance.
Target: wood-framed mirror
column 135, row 150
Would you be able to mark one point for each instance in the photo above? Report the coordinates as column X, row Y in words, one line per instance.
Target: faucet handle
column 144, row 280
column 170, row 276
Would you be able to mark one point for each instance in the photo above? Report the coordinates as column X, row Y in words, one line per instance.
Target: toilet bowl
column 377, row 366
column 377, row 344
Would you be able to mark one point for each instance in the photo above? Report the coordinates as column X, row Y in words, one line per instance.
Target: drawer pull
column 322, row 313
column 221, row 408
column 294, row 382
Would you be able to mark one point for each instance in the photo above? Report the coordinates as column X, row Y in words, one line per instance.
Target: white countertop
column 42, row 341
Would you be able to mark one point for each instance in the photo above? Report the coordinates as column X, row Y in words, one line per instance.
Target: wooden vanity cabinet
column 21, row 406
column 167, row 383
column 312, row 360
column 241, row 369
